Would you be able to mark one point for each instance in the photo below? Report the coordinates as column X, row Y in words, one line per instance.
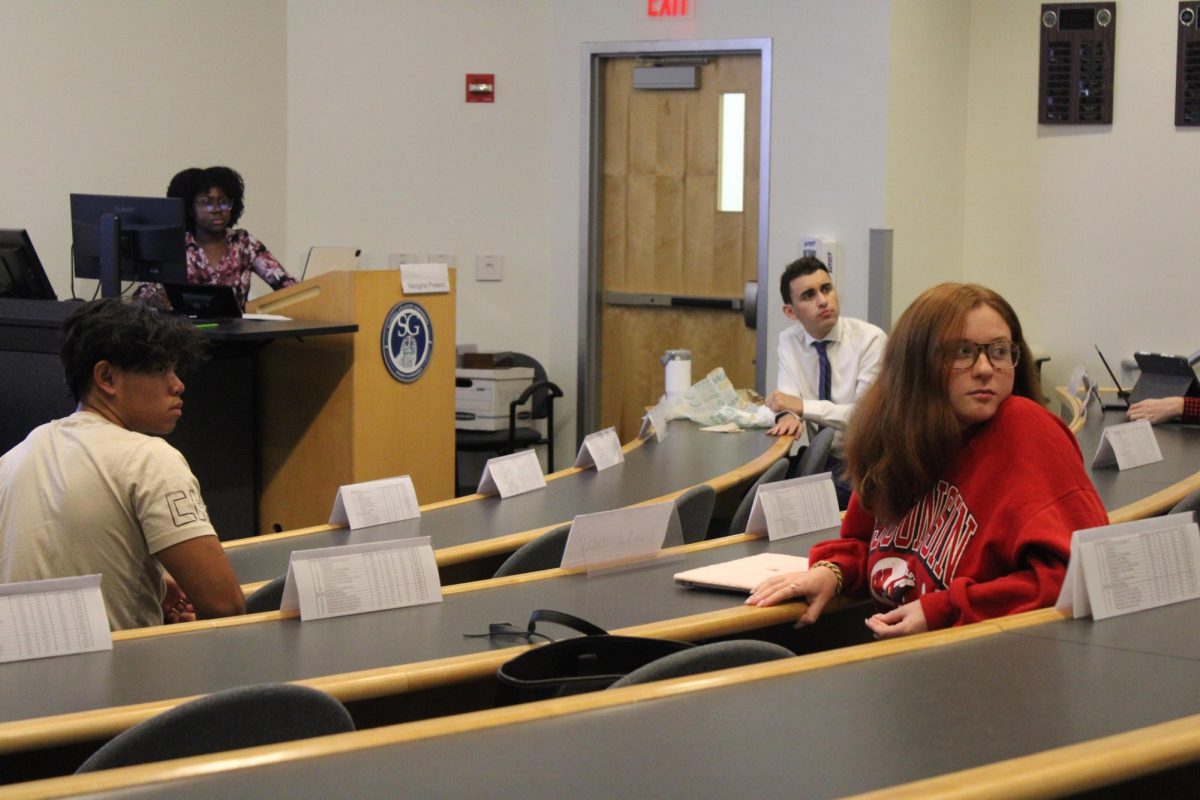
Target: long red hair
column 903, row 434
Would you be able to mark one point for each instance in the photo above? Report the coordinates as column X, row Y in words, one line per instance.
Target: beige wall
column 384, row 153
column 926, row 144
column 114, row 97
column 1090, row 231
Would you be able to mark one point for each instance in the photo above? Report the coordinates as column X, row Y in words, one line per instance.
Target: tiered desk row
column 1027, row 704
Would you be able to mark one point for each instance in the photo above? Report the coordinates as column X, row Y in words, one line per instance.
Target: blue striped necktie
column 825, row 376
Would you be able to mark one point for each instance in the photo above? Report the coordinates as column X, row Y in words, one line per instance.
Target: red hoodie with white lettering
column 992, row 538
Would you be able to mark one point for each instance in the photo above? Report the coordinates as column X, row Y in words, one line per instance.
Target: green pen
column 207, row 324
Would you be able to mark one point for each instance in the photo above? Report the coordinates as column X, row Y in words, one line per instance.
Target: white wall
column 1090, row 231
column 384, row 153
column 926, row 144
column 116, row 97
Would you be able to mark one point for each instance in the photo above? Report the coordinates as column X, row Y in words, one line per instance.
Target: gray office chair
column 266, row 597
column 540, row 395
column 246, row 716
column 544, row 552
column 693, row 512
column 1189, row 503
column 705, row 658
column 741, row 517
column 815, row 457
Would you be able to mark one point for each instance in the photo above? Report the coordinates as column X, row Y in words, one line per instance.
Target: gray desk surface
column 824, row 733
column 207, row 660
column 687, row 457
column 1180, row 446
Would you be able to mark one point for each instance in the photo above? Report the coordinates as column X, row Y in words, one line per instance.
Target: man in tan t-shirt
column 96, row 492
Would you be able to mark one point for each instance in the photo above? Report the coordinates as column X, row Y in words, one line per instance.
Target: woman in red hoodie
column 966, row 490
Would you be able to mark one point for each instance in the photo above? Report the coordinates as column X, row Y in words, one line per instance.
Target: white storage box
column 483, row 405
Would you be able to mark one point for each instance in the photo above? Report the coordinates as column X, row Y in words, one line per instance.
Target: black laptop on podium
column 203, row 302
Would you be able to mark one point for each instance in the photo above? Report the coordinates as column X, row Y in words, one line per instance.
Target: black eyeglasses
column 1001, row 355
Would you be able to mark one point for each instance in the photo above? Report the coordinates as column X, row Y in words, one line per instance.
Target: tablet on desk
column 1163, row 375
column 203, row 302
column 741, row 574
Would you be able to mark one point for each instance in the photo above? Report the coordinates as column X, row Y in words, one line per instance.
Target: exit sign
column 670, row 9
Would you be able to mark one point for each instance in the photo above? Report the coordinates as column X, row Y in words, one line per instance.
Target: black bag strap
column 566, row 620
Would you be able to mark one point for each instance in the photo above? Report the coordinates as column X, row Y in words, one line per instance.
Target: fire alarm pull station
column 481, row 88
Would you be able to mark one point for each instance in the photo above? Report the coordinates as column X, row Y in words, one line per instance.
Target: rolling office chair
column 815, row 457
column 1189, row 503
column 245, row 716
column 267, row 597
column 693, row 512
column 542, row 393
column 544, row 552
column 705, row 658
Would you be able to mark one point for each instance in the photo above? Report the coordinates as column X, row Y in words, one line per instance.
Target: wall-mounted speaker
column 1187, row 65
column 1075, row 78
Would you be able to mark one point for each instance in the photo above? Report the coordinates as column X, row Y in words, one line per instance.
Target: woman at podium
column 217, row 252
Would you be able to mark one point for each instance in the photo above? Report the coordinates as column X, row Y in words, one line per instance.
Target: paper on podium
column 511, row 475
column 601, row 449
column 796, row 506
column 1128, row 445
column 362, row 505
column 358, row 578
column 54, row 617
column 1133, row 566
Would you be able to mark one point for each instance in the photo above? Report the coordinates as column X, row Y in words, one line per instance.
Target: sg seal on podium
column 406, row 341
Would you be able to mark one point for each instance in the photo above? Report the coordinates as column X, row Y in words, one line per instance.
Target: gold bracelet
column 835, row 569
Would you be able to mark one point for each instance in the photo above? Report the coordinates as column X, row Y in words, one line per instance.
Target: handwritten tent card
column 796, row 506
column 55, row 617
column 358, row 578
column 614, row 537
column 656, row 420
column 1130, row 444
column 1119, row 569
column 511, row 475
column 601, row 449
column 361, row 505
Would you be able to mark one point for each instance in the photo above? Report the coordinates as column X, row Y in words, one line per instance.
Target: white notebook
column 741, row 574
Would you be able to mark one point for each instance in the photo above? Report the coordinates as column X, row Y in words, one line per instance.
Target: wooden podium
column 331, row 412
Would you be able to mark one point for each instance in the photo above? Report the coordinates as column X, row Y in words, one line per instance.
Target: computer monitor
column 128, row 238
column 21, row 273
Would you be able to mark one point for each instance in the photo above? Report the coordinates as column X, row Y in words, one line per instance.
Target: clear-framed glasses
column 210, row 204
column 1001, row 355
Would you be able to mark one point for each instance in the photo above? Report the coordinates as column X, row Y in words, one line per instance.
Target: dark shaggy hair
column 801, row 266
column 131, row 336
column 193, row 181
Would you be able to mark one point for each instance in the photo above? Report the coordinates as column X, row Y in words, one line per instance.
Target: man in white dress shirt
column 826, row 362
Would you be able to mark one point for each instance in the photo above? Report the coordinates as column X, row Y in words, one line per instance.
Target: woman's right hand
column 817, row 586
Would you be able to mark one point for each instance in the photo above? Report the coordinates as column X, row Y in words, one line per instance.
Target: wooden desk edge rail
column 493, row 717
column 198, row 766
column 1064, row 770
column 454, row 501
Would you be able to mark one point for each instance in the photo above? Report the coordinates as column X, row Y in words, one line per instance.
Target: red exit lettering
column 667, row 8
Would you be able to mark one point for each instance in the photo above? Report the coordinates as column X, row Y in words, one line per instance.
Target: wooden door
column 663, row 237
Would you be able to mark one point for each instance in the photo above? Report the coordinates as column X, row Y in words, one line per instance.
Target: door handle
column 750, row 305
